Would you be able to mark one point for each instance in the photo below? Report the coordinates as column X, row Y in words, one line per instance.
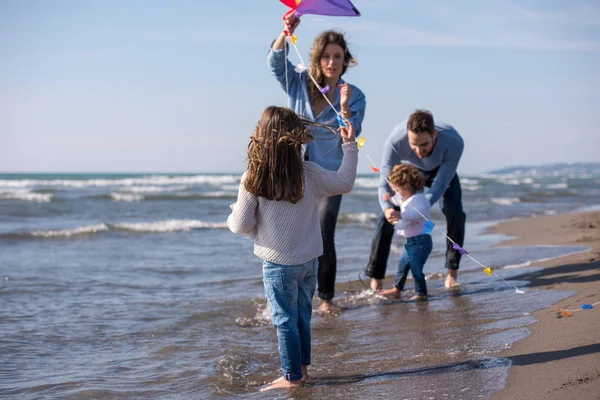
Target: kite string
column 370, row 159
column 578, row 309
column 287, row 86
column 291, row 40
column 453, row 242
column 314, row 80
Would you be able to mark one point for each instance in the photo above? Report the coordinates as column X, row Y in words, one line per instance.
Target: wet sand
column 480, row 342
column 561, row 358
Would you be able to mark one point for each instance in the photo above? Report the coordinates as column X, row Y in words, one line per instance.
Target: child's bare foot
column 393, row 292
column 376, row 284
column 418, row 297
column 281, row 383
column 452, row 279
column 305, row 376
column 328, row 307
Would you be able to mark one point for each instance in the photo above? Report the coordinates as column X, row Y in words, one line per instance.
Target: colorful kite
column 333, row 8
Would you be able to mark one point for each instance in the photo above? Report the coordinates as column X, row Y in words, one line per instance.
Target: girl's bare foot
column 304, row 378
column 452, row 279
column 281, row 383
column 376, row 284
column 328, row 307
column 393, row 292
column 418, row 297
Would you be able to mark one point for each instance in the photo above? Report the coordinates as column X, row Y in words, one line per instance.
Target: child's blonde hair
column 406, row 176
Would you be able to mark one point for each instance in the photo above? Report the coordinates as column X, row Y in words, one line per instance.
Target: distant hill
column 550, row 169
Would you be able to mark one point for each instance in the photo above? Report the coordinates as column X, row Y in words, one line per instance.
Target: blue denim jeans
column 416, row 251
column 290, row 289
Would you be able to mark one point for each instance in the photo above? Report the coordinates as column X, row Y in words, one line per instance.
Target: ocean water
column 130, row 286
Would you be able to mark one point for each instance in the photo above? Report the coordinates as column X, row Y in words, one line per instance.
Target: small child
column 408, row 182
column 278, row 207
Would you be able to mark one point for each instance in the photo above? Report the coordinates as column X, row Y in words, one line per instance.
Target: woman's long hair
column 316, row 53
column 275, row 165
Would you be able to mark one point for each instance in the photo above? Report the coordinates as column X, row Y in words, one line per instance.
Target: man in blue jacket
column 436, row 150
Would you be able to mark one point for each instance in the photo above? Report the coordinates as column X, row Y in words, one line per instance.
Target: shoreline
column 561, row 357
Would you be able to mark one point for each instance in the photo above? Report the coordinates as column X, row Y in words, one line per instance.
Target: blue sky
column 178, row 86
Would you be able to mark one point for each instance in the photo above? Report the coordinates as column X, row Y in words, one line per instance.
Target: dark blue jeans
column 329, row 209
column 416, row 251
column 455, row 219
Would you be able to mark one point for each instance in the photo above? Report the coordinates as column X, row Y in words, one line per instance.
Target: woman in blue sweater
column 329, row 60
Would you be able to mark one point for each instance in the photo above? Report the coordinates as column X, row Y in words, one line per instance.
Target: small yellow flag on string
column 294, row 39
column 361, row 141
column 488, row 270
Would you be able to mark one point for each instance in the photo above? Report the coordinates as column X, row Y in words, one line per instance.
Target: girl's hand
column 291, row 23
column 347, row 132
column 345, row 94
column 386, row 196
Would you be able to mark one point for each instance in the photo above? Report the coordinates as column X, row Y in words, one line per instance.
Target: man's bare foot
column 328, row 307
column 418, row 297
column 281, row 383
column 452, row 279
column 393, row 292
column 376, row 284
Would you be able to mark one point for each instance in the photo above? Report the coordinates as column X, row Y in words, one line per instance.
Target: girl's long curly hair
column 275, row 166
column 316, row 53
column 406, row 176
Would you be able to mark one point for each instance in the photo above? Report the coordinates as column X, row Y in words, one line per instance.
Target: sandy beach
column 561, row 358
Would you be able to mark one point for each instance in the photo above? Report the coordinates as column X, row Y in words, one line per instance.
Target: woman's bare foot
column 393, row 292
column 376, row 284
column 281, row 383
column 328, row 307
column 452, row 279
column 418, row 297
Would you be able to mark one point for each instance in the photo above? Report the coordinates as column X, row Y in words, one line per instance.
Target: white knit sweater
column 286, row 233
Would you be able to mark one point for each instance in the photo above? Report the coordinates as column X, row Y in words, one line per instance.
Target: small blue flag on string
column 340, row 120
column 428, row 227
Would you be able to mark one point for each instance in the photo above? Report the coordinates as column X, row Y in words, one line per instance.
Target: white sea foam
column 172, row 225
column 358, row 217
column 25, row 195
column 128, row 197
column 467, row 181
column 218, row 194
column 152, row 189
column 505, row 201
column 71, row 232
column 233, row 188
column 471, row 188
column 558, row 186
column 593, row 207
column 160, row 180
column 369, row 183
